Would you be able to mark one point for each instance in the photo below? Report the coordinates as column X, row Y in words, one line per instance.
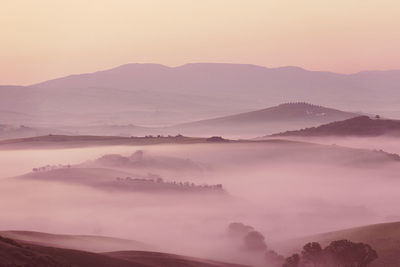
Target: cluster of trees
column 301, row 103
column 216, row 139
column 161, row 136
column 160, row 181
column 254, row 241
column 393, row 156
column 51, row 167
column 339, row 253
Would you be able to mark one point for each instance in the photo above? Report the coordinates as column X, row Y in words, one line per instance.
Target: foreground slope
column 20, row 254
column 92, row 243
column 164, row 259
column 384, row 238
column 359, row 126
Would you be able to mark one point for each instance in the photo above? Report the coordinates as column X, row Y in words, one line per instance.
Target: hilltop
column 281, row 117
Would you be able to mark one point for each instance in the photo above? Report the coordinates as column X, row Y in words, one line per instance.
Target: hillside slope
column 281, row 117
column 384, row 238
column 8, row 131
column 90, row 243
column 359, row 126
column 20, row 254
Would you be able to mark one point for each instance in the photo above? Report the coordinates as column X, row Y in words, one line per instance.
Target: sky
column 45, row 39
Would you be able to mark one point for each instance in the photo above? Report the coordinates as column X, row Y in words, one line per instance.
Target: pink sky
column 44, row 39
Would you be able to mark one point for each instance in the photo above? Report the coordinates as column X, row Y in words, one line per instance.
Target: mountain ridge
column 163, row 66
column 154, row 94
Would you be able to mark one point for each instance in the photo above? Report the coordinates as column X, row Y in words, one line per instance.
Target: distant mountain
column 273, row 119
column 156, row 95
column 358, row 126
column 384, row 238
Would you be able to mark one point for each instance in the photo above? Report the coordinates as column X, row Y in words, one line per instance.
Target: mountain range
column 157, row 95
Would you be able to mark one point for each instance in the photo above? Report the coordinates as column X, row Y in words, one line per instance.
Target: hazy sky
column 44, row 39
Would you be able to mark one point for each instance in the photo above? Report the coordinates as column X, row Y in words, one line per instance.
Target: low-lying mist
column 283, row 189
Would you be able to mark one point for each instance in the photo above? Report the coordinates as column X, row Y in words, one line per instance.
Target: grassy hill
column 384, row 238
column 276, row 118
column 22, row 254
column 92, row 243
column 113, row 180
column 358, row 126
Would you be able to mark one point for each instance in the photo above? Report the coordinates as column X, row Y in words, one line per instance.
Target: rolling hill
column 8, row 131
column 281, row 117
column 358, row 126
column 90, row 243
column 154, row 95
column 24, row 254
column 64, row 141
column 384, row 238
column 243, row 125
column 114, row 180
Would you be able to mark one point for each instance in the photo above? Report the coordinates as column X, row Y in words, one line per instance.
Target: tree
column 254, row 241
column 292, row 261
column 348, row 254
column 239, row 229
column 273, row 258
column 312, row 253
column 364, row 254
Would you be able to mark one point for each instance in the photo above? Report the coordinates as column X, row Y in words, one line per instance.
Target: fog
column 283, row 189
column 389, row 144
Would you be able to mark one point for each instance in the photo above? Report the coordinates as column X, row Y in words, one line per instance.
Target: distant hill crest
column 358, row 126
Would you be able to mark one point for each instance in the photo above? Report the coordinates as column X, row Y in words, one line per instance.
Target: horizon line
column 201, row 62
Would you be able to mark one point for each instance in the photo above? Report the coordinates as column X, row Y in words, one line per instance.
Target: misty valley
column 253, row 202
column 200, row 162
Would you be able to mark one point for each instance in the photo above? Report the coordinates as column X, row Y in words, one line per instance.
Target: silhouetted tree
column 292, row 261
column 348, row 254
column 254, row 241
column 274, row 259
column 239, row 229
column 312, row 253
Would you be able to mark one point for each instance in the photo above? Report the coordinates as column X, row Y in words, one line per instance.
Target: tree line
column 339, row 253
